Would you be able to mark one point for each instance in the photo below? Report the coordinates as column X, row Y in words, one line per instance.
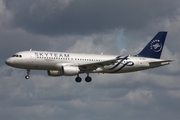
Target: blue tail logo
column 156, row 45
column 154, row 48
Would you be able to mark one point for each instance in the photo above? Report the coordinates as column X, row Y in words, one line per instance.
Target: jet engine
column 70, row 70
column 66, row 70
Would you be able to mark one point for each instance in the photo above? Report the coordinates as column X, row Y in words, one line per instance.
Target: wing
column 95, row 65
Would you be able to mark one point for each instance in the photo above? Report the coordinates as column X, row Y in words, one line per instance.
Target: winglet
column 154, row 48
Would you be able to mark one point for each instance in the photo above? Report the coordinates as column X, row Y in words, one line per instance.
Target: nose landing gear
column 27, row 76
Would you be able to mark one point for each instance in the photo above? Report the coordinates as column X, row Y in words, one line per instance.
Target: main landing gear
column 87, row 79
column 27, row 76
column 78, row 79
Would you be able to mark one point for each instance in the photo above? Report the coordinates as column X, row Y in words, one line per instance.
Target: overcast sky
column 89, row 26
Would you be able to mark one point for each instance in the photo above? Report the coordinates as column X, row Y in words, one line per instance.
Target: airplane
column 73, row 64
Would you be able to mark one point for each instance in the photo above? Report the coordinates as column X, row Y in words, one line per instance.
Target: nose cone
column 8, row 61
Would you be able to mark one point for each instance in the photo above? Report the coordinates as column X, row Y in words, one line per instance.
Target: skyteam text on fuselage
column 70, row 64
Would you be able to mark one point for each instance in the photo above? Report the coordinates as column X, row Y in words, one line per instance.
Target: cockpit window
column 17, row 56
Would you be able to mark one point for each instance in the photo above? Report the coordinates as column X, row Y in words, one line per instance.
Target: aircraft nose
column 8, row 61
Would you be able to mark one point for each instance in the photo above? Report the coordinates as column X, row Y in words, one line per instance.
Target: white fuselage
column 42, row 60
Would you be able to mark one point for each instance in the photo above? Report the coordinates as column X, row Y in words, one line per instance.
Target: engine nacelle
column 66, row 70
column 55, row 73
column 70, row 70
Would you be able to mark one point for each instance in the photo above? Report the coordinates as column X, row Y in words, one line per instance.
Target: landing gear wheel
column 88, row 79
column 27, row 76
column 78, row 79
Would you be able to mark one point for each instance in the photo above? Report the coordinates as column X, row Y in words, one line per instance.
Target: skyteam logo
column 156, row 46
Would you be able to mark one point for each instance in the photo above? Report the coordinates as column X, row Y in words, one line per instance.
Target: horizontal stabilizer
column 157, row 63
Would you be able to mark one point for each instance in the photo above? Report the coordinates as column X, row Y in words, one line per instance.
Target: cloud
column 86, row 17
column 89, row 27
column 139, row 97
column 97, row 43
column 2, row 7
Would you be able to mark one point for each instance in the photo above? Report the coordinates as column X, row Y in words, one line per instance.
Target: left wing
column 95, row 65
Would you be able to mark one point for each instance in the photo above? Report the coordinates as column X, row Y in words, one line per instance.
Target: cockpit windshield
column 17, row 56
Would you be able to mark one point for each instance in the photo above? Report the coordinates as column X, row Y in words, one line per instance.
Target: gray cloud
column 89, row 27
column 53, row 98
column 86, row 17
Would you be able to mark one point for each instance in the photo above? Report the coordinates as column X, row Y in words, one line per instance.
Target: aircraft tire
column 78, row 79
column 27, row 76
column 88, row 79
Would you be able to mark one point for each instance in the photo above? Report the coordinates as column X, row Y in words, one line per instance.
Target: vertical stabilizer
column 154, row 48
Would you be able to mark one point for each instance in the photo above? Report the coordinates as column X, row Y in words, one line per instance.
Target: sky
column 118, row 27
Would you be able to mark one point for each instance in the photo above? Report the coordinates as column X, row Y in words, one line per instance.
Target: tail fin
column 154, row 48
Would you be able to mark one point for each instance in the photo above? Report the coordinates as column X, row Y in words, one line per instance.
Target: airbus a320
column 74, row 64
